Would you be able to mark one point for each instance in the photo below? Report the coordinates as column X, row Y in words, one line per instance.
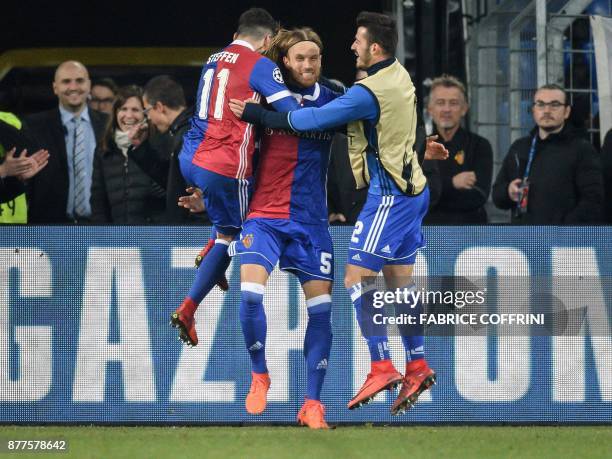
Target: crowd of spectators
column 106, row 154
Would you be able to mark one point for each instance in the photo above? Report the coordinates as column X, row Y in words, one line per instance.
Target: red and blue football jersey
column 217, row 140
column 291, row 173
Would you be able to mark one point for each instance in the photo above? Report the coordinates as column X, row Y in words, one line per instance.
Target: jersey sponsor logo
column 309, row 135
column 257, row 346
column 247, row 241
column 356, row 257
column 277, row 75
column 460, row 157
column 386, row 249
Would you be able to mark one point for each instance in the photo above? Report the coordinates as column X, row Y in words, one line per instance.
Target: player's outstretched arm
column 256, row 114
column 356, row 104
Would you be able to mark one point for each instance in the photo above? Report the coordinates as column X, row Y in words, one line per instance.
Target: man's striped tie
column 80, row 169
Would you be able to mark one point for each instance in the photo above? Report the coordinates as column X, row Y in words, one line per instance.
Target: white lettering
column 34, row 358
column 189, row 384
column 576, row 284
column 471, row 360
column 122, row 267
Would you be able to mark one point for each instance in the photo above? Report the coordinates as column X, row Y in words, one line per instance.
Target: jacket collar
column 181, row 120
column 380, row 65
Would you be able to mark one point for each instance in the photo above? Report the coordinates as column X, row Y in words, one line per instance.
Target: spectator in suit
column 121, row 192
column 60, row 193
column 102, row 97
column 466, row 174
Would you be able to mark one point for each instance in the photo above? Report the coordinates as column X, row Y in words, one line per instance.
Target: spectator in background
column 606, row 160
column 60, row 193
column 103, row 93
column 165, row 107
column 466, row 174
column 15, row 167
column 344, row 200
column 551, row 176
column 121, row 192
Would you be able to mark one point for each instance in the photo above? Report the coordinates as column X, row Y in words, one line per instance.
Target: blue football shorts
column 388, row 231
column 303, row 249
column 226, row 199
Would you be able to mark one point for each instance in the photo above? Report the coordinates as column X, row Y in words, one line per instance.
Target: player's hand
column 14, row 166
column 514, row 189
column 193, row 201
column 433, row 149
column 138, row 133
column 237, row 106
column 339, row 217
column 36, row 163
column 464, row 180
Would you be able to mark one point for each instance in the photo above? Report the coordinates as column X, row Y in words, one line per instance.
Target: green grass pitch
column 343, row 442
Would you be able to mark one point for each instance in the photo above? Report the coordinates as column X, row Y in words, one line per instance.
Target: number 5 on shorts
column 326, row 266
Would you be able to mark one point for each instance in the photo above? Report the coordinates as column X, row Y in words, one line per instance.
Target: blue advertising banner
column 84, row 334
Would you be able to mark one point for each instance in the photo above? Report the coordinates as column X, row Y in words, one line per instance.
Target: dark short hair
column 166, row 90
column 256, row 23
column 381, row 29
column 107, row 83
column 555, row 87
column 123, row 94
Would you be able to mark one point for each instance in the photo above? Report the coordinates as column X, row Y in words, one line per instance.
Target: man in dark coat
column 165, row 106
column 70, row 132
column 552, row 176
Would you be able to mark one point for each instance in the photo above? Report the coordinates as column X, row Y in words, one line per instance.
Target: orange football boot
column 419, row 377
column 257, row 398
column 312, row 414
column 382, row 376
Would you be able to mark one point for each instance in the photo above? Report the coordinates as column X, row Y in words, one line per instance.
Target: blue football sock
column 375, row 335
column 253, row 322
column 412, row 335
column 213, row 266
column 317, row 343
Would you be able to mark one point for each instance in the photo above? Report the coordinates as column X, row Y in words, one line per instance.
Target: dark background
column 432, row 34
column 172, row 23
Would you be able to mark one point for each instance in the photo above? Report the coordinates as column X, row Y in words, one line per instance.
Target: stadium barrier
column 84, row 334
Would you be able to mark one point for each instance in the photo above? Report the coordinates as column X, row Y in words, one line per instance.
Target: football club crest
column 247, row 241
column 460, row 157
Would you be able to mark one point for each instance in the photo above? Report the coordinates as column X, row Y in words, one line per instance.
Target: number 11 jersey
column 218, row 141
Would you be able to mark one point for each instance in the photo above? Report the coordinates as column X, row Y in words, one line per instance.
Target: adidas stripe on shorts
column 388, row 231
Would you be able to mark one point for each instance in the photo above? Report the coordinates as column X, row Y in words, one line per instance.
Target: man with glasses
column 551, row 176
column 102, row 96
column 166, row 109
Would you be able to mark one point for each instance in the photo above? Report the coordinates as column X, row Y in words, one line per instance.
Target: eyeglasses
column 108, row 100
column 554, row 105
column 146, row 111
